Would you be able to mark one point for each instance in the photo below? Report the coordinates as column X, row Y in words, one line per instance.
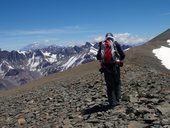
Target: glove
column 101, row 70
column 120, row 63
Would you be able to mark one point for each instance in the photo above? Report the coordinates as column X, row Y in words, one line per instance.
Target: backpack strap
column 102, row 50
column 116, row 51
column 100, row 54
column 113, row 49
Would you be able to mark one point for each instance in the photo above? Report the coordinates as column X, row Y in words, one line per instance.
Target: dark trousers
column 112, row 79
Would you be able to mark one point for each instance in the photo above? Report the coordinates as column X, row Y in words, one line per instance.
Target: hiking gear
column 108, row 52
column 101, row 70
column 118, row 50
column 112, row 106
column 119, row 62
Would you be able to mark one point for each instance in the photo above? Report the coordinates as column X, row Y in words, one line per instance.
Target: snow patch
column 93, row 50
column 70, row 62
column 46, row 53
column 82, row 59
column 10, row 67
column 50, row 57
column 53, row 58
column 168, row 41
column 33, row 62
column 127, row 49
column 1, row 72
column 163, row 54
column 92, row 44
column 22, row 52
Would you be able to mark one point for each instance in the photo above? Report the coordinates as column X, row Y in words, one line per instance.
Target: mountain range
column 20, row 67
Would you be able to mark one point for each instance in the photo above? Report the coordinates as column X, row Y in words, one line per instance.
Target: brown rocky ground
column 77, row 98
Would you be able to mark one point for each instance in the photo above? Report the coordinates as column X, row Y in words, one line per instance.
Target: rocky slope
column 78, row 99
column 143, row 55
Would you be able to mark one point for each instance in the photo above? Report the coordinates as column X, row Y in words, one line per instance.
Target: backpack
column 108, row 51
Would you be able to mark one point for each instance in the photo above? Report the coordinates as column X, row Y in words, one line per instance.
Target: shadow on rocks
column 95, row 109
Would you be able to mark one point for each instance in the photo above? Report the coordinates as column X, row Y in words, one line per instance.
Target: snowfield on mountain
column 163, row 54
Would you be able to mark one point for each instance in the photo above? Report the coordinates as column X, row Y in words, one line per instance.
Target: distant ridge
column 33, row 46
column 143, row 55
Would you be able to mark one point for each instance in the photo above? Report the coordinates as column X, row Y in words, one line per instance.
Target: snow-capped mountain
column 20, row 67
column 33, row 46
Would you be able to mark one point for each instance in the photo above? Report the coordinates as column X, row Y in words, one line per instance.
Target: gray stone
column 166, row 121
column 149, row 118
column 94, row 121
column 164, row 109
column 135, row 124
column 166, row 126
column 133, row 99
column 132, row 116
column 129, row 97
column 167, row 97
column 125, row 96
column 129, row 110
column 86, row 125
column 99, row 114
column 153, row 100
column 142, row 110
column 21, row 121
column 108, row 125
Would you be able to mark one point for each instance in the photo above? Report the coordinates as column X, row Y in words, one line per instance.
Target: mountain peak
column 33, row 46
column 164, row 36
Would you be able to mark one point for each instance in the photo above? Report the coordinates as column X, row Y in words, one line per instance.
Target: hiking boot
column 114, row 105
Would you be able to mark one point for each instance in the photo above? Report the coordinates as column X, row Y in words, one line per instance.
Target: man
column 111, row 56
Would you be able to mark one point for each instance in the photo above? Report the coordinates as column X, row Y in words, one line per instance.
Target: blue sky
column 67, row 22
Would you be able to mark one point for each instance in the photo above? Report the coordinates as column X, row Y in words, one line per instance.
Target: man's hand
column 101, row 70
column 119, row 62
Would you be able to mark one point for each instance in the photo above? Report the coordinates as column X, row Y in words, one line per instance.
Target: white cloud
column 128, row 38
column 67, row 29
column 122, row 35
column 125, row 38
column 99, row 38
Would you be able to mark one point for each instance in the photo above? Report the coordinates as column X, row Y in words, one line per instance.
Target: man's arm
column 99, row 56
